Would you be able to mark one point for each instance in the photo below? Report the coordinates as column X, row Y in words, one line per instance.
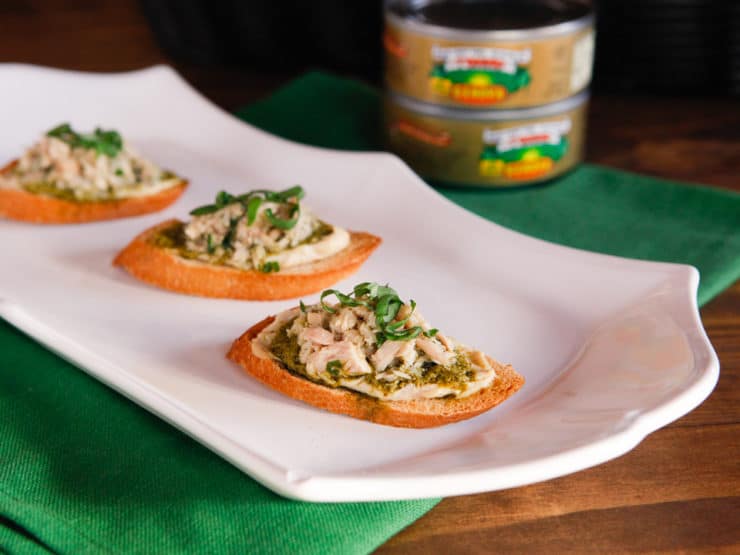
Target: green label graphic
column 524, row 152
column 478, row 75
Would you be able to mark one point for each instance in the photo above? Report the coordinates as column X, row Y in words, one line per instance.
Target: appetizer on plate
column 372, row 356
column 262, row 245
column 71, row 177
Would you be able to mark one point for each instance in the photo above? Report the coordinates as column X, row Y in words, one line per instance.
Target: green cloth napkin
column 83, row 470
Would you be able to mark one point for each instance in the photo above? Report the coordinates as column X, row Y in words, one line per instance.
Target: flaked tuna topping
column 373, row 342
column 94, row 166
column 262, row 230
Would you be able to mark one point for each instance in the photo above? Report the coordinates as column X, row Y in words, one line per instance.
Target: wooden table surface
column 679, row 490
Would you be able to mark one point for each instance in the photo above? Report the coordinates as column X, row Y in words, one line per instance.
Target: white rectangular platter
column 612, row 349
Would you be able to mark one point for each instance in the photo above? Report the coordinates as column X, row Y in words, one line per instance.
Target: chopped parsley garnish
column 106, row 142
column 271, row 266
column 385, row 303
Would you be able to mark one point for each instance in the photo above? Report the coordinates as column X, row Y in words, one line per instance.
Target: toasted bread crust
column 425, row 413
column 23, row 206
column 164, row 268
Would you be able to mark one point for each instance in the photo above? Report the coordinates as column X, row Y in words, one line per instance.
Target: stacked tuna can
column 489, row 93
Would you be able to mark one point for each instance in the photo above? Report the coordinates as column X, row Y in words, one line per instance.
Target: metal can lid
column 446, row 112
column 491, row 20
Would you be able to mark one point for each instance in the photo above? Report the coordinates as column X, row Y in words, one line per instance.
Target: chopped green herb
column 253, row 206
column 271, row 266
column 385, row 303
column 252, row 201
column 224, row 199
column 284, row 224
column 295, row 192
column 303, row 307
column 202, row 210
column 231, row 233
column 118, row 172
column 345, row 300
column 108, row 143
column 210, row 247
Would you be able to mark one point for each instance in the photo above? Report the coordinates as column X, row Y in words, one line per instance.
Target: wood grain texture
column 679, row 490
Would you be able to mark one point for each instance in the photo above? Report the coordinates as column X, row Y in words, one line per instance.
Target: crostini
column 71, row 177
column 262, row 245
column 372, row 356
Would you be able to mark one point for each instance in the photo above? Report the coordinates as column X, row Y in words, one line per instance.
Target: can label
column 526, row 152
column 488, row 153
column 486, row 74
column 478, row 76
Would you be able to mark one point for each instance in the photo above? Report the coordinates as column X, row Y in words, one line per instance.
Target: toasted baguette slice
column 423, row 413
column 17, row 204
column 164, row 268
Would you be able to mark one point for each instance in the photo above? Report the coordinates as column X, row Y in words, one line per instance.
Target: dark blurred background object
column 333, row 34
column 674, row 47
column 668, row 46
